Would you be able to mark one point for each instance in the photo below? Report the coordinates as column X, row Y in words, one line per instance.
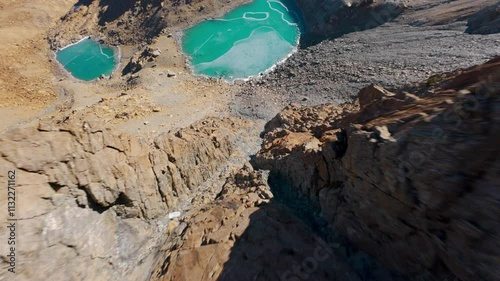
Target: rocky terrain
column 394, row 54
column 246, row 235
column 378, row 160
column 101, row 200
column 92, row 198
column 485, row 21
column 411, row 180
column 26, row 81
column 365, row 167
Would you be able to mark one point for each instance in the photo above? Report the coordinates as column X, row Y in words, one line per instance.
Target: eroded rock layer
column 334, row 18
column 246, row 235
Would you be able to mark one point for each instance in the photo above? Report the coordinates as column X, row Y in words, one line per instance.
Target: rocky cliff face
column 89, row 198
column 413, row 180
column 132, row 21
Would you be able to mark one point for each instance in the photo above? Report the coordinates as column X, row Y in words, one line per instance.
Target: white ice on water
column 246, row 55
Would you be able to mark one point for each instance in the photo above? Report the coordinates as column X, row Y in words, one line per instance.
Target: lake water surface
column 244, row 42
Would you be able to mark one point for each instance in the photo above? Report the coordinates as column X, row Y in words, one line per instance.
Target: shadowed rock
column 412, row 181
column 332, row 19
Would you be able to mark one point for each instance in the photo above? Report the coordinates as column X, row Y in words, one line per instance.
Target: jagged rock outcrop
column 94, row 205
column 138, row 61
column 411, row 180
column 334, row 18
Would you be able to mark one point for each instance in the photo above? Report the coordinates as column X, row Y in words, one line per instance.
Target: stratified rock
column 139, row 60
column 156, row 53
column 413, row 181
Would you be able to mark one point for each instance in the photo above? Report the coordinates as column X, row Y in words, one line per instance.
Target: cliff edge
column 410, row 178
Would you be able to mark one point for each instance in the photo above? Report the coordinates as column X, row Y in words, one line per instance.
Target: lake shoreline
column 208, row 43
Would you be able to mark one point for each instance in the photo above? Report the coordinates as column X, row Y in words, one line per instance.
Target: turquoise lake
column 244, row 42
column 87, row 59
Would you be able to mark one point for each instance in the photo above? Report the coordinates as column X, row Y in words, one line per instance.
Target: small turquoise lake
column 244, row 42
column 88, row 59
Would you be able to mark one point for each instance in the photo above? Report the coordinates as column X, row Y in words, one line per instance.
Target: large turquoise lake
column 87, row 59
column 246, row 41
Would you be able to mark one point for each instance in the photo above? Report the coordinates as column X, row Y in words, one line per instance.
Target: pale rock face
column 485, row 21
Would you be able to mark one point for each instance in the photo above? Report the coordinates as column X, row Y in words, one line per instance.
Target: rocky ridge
column 332, row 19
column 94, row 199
column 393, row 50
column 411, row 180
column 485, row 21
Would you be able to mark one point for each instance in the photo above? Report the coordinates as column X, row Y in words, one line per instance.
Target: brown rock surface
column 26, row 78
column 93, row 204
column 438, row 12
column 91, row 199
column 413, row 181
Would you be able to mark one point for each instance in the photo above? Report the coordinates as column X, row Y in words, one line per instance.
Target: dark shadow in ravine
column 341, row 20
column 287, row 239
column 114, row 10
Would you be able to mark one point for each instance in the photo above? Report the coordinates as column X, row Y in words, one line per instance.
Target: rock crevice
column 101, row 200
